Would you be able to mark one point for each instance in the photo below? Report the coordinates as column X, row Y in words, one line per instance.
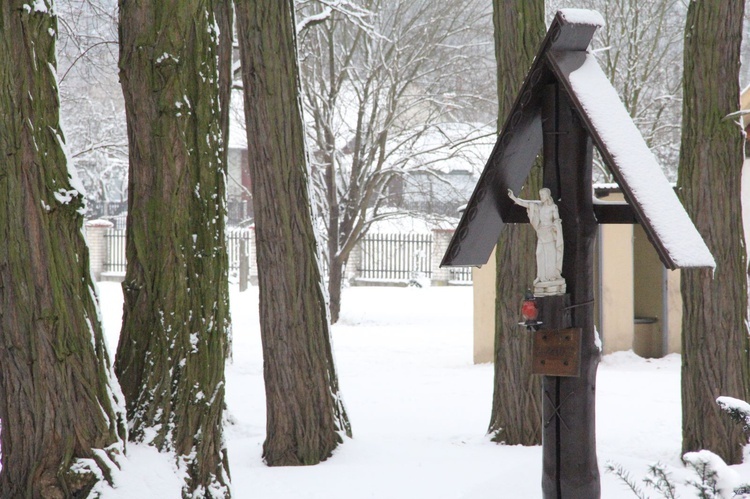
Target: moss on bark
column 173, row 344
column 57, row 392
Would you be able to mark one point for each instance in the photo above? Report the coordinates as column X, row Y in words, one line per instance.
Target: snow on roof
column 582, row 16
column 634, row 162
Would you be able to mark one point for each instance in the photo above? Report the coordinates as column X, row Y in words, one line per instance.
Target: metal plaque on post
column 557, row 352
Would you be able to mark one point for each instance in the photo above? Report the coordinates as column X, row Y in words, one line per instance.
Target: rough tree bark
column 516, row 416
column 62, row 422
column 714, row 329
column 170, row 359
column 305, row 415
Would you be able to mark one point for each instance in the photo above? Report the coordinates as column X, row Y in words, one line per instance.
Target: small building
column 639, row 305
column 636, row 299
column 639, row 300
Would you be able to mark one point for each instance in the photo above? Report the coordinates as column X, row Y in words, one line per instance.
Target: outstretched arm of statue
column 519, row 202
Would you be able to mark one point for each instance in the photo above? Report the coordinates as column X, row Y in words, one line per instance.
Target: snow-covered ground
column 419, row 410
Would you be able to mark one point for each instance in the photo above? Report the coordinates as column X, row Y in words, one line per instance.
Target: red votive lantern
column 529, row 310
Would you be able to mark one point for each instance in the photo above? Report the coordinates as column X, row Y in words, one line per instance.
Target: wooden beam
column 514, row 153
column 570, row 466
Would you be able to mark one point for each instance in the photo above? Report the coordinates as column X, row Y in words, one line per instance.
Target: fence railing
column 115, row 261
column 236, row 239
column 461, row 274
column 238, row 211
column 396, row 256
column 386, row 257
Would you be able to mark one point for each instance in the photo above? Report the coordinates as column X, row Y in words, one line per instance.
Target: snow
column 731, row 403
column 582, row 16
column 419, row 410
column 635, row 162
column 727, row 478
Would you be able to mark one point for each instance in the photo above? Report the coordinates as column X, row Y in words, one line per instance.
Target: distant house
column 443, row 169
column 239, row 195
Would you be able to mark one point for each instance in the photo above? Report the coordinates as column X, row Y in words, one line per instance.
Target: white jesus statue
column 545, row 219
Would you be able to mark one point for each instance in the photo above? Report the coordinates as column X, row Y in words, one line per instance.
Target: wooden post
column 570, row 468
column 244, row 264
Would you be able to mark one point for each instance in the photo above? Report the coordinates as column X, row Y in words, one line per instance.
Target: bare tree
column 640, row 50
column 176, row 325
column 305, row 416
column 384, row 83
column 91, row 102
column 62, row 423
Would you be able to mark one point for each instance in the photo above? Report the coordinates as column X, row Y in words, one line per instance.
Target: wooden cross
column 565, row 106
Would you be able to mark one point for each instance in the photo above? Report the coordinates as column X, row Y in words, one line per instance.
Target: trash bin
column 647, row 337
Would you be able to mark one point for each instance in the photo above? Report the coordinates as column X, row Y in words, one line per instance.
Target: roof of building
column 563, row 58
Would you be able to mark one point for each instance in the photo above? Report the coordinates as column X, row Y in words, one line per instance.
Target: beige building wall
column 484, row 311
column 674, row 312
column 632, row 284
column 649, row 286
column 616, row 300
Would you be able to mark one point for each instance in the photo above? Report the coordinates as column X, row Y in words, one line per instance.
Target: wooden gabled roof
column 562, row 58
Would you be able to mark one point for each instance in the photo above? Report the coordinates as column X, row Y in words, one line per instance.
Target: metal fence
column 461, row 275
column 115, row 261
column 396, row 256
column 116, row 249
column 386, row 257
column 238, row 211
column 236, row 239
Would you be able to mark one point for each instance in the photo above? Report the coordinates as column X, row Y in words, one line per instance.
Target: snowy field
column 419, row 410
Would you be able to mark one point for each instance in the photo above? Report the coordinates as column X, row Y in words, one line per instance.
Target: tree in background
column 91, row 102
column 714, row 320
column 62, row 424
column 516, row 416
column 176, row 326
column 305, row 416
column 389, row 88
column 640, row 50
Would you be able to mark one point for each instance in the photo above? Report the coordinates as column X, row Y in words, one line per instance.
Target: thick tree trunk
column 170, row 360
column 516, row 406
column 62, row 424
column 714, row 328
column 305, row 415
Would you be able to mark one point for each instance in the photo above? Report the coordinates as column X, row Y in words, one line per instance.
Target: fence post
column 96, row 231
column 252, row 259
column 354, row 263
column 244, row 264
column 441, row 238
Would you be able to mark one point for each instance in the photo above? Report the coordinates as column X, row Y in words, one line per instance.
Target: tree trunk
column 335, row 281
column 516, row 406
column 170, row 359
column 714, row 328
column 62, row 424
column 334, row 221
column 305, row 414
